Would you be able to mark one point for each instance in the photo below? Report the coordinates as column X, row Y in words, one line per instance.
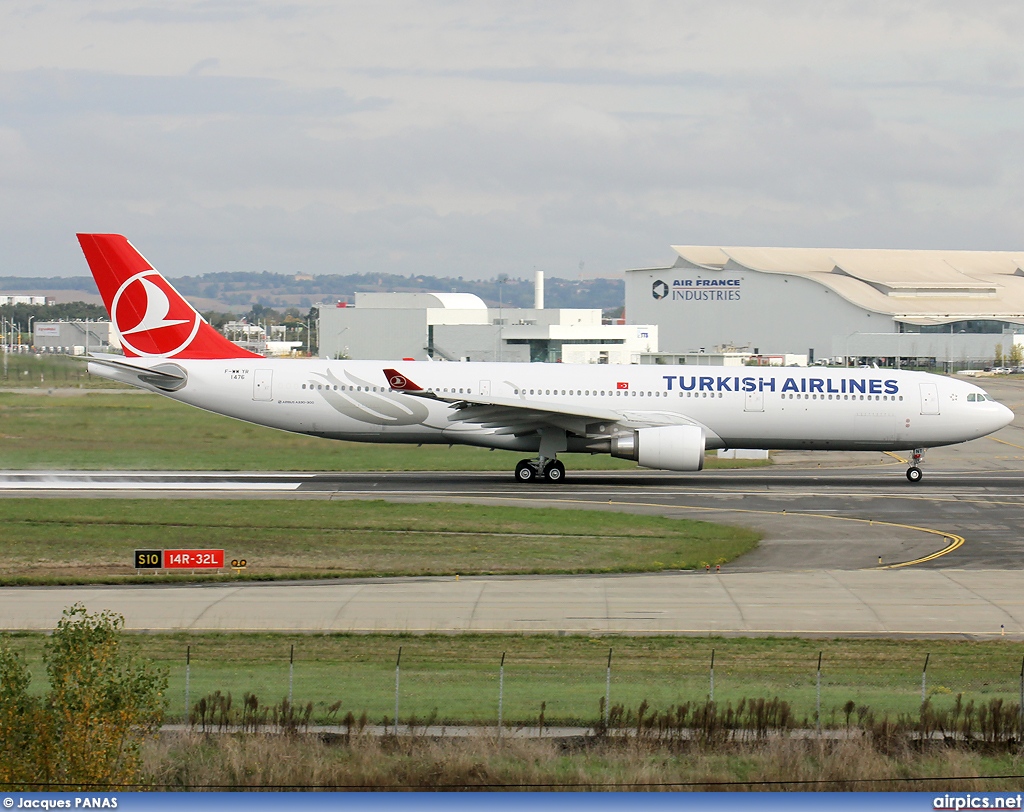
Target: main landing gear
column 547, row 470
column 914, row 472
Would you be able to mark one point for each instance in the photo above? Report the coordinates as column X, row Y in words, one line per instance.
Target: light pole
column 502, row 278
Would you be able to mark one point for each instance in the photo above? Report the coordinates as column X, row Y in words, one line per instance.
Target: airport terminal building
column 947, row 308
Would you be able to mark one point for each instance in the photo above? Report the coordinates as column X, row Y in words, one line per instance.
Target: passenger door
column 262, row 383
column 929, row 398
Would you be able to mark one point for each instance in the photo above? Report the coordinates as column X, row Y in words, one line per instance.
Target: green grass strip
column 92, row 540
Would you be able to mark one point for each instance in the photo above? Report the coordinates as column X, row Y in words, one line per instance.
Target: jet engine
column 671, row 448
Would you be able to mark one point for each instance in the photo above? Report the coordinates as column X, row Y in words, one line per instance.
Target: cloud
column 482, row 138
column 67, row 94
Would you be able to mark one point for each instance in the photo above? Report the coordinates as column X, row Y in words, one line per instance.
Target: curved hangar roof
column 918, row 287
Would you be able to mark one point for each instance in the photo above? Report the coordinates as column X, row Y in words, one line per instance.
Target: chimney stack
column 538, row 291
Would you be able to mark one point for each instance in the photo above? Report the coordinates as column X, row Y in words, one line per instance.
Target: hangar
column 946, row 308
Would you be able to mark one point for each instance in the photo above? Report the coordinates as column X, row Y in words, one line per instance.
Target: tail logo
column 398, row 382
column 155, row 317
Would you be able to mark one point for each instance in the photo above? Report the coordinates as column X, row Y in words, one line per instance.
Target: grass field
column 44, row 371
column 457, row 676
column 138, row 431
column 195, row 762
column 89, row 540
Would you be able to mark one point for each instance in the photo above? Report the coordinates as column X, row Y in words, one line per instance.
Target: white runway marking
column 149, row 481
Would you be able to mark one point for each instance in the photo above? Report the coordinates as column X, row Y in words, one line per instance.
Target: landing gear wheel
column 555, row 472
column 914, row 474
column 525, row 472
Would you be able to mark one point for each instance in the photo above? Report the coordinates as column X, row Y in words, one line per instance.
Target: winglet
column 400, row 383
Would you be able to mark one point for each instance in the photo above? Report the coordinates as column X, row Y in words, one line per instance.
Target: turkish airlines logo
column 151, row 318
column 398, row 382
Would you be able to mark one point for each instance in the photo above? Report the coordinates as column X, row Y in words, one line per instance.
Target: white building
column 19, row 299
column 932, row 307
column 460, row 326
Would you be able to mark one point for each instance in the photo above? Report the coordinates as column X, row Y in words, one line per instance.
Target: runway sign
column 193, row 559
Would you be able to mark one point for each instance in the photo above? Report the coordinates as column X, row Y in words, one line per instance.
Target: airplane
column 663, row 417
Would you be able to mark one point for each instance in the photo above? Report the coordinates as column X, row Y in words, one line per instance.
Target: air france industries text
column 751, row 383
column 706, row 290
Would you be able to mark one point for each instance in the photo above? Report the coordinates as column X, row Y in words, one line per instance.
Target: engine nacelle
column 670, row 448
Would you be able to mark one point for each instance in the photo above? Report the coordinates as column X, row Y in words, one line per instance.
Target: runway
column 852, row 516
column 850, row 548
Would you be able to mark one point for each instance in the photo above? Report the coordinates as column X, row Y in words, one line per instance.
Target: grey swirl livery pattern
column 367, row 406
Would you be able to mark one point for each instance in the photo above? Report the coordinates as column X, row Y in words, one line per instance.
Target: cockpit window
column 979, row 397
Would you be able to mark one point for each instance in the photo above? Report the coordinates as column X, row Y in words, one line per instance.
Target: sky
column 480, row 138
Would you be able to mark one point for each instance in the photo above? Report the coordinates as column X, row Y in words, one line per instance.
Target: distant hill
column 234, row 291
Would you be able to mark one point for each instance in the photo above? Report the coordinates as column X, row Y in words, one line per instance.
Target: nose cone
column 1003, row 417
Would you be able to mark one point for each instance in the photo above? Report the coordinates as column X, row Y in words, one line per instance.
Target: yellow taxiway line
column 953, row 541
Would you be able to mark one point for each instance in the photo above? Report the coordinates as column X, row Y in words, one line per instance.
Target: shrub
column 86, row 730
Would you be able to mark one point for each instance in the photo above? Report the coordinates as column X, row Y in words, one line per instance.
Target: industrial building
column 461, row 327
column 20, row 299
column 893, row 307
column 72, row 337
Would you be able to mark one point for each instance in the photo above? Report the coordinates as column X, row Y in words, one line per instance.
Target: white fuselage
column 738, row 407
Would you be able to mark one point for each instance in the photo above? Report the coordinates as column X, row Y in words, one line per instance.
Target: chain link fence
column 423, row 683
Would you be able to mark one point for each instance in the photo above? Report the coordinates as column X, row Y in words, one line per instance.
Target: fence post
column 924, row 679
column 398, row 666
column 501, row 690
column 291, row 673
column 607, row 689
column 817, row 697
column 188, row 669
column 711, row 693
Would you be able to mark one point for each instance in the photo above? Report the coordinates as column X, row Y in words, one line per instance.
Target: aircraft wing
column 522, row 415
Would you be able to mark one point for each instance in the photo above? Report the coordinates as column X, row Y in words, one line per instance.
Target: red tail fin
column 150, row 317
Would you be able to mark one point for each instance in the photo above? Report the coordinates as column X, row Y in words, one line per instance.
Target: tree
column 1016, row 357
column 20, row 721
column 102, row 701
column 999, row 355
